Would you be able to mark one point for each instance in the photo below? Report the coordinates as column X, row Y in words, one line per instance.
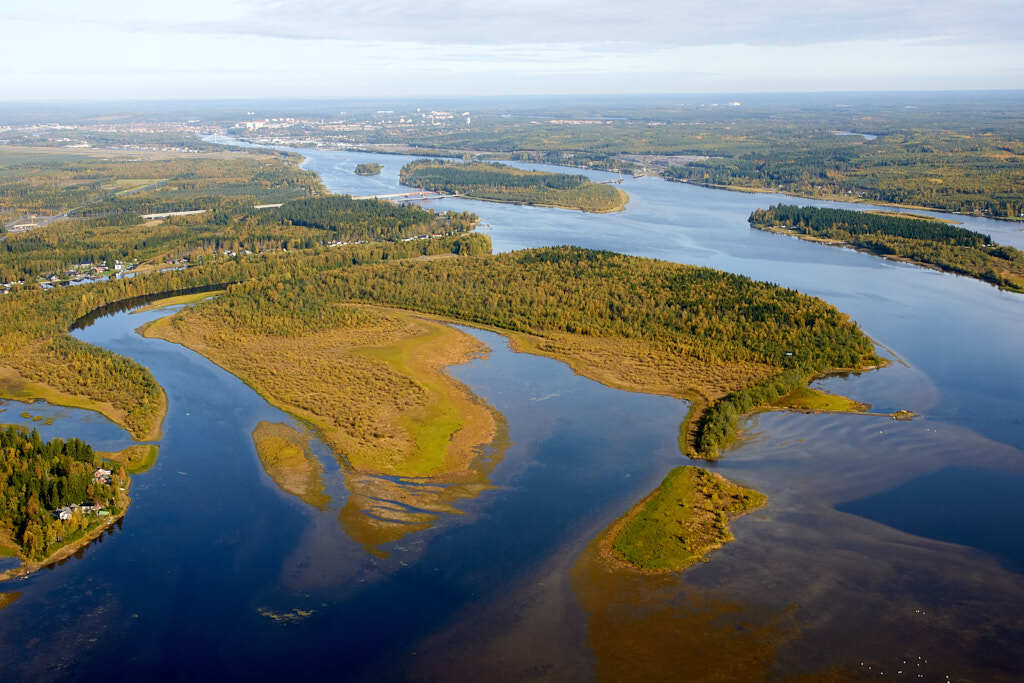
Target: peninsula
column 358, row 351
column 58, row 496
column 912, row 238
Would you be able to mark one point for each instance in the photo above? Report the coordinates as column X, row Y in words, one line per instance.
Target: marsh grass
column 683, row 520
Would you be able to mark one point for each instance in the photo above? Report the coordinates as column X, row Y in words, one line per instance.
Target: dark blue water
column 213, row 560
column 956, row 505
column 216, row 573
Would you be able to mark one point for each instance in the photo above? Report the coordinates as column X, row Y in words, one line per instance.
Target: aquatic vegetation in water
column 286, row 459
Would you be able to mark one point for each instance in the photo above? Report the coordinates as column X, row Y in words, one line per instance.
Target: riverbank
column 14, row 386
column 180, row 300
column 136, row 459
column 1009, row 276
column 845, row 199
column 28, row 567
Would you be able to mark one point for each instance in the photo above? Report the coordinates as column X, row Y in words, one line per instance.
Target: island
column 685, row 518
column 904, row 237
column 368, row 169
column 58, row 496
column 287, row 460
column 503, row 183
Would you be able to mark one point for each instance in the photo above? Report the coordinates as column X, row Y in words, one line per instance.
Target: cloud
column 650, row 23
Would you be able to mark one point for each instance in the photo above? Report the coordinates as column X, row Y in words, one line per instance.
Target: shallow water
column 848, row 569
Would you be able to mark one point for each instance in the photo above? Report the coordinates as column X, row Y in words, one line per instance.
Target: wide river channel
column 887, row 549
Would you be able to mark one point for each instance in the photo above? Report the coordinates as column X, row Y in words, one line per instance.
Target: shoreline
column 515, row 202
column 782, row 230
column 28, row 567
column 612, row 559
column 430, row 153
column 838, row 198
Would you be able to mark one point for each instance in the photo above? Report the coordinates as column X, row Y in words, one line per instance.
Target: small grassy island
column 287, row 460
column 502, row 183
column 368, row 169
column 682, row 521
column 912, row 238
column 57, row 495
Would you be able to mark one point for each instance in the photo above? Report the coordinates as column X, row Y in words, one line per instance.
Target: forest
column 500, row 182
column 91, row 183
column 926, row 242
column 37, row 478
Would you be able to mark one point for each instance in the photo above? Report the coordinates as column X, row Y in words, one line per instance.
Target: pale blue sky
column 390, row 48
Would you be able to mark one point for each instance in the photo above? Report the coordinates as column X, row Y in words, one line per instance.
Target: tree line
column 500, row 182
column 934, row 243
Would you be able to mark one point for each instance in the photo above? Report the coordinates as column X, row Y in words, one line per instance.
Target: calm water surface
column 883, row 542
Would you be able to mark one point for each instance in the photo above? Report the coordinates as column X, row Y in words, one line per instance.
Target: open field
column 811, row 400
column 374, row 388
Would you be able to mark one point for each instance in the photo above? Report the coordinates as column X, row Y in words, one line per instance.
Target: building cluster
column 67, row 512
column 77, row 274
column 282, row 122
column 100, row 476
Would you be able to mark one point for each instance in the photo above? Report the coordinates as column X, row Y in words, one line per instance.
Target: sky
column 215, row 49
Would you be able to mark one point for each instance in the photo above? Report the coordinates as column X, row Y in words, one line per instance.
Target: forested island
column 503, row 183
column 368, row 169
column 910, row 238
column 55, row 495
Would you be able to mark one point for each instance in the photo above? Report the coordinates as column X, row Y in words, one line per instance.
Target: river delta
column 886, row 547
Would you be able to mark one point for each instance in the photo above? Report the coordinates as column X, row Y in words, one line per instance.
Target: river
column 886, row 546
